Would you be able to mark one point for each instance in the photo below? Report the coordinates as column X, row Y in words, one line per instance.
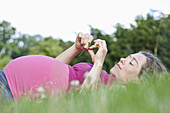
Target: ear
column 91, row 52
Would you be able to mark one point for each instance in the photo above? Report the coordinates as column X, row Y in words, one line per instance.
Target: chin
column 113, row 70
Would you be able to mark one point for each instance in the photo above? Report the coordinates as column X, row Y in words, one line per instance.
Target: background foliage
column 148, row 33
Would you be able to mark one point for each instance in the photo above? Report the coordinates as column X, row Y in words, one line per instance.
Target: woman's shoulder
column 83, row 65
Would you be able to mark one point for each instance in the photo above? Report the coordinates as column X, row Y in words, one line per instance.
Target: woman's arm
column 68, row 54
column 80, row 44
column 93, row 76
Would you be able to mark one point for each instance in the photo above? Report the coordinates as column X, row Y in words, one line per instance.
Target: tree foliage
column 148, row 33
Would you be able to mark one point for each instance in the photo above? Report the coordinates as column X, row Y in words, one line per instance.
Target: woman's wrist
column 75, row 49
column 98, row 64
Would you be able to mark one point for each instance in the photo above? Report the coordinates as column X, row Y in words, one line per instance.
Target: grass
column 150, row 95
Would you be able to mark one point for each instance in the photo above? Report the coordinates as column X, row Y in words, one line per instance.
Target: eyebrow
column 134, row 59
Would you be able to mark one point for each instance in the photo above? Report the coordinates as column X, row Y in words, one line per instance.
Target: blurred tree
column 48, row 46
column 4, row 60
column 164, row 41
column 148, row 33
column 7, row 33
column 22, row 44
column 143, row 36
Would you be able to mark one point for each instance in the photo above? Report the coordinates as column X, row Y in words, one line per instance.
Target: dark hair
column 153, row 63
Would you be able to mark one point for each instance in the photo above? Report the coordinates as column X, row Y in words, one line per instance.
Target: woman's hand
column 82, row 41
column 93, row 76
column 80, row 45
column 100, row 55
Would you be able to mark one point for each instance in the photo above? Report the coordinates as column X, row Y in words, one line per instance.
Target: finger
column 99, row 44
column 78, row 39
column 90, row 38
column 93, row 46
column 91, row 52
column 104, row 45
column 96, row 45
column 82, row 39
column 86, row 39
column 87, row 36
column 79, row 35
column 98, row 40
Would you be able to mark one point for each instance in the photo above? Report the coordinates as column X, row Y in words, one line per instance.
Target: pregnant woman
column 24, row 75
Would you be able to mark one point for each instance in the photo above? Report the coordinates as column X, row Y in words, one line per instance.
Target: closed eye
column 131, row 63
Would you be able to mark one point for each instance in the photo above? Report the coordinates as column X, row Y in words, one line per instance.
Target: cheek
column 131, row 72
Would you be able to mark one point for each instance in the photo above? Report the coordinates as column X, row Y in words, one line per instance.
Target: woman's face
column 129, row 68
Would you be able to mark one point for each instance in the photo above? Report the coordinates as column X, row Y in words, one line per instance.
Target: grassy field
column 149, row 95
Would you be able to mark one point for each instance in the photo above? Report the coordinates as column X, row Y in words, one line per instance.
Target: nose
column 122, row 60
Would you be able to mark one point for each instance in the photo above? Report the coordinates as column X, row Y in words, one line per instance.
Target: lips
column 114, row 76
column 119, row 66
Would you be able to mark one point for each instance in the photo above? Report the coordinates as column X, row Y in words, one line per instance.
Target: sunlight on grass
column 149, row 95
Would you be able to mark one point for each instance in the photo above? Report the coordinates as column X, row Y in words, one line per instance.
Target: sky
column 65, row 18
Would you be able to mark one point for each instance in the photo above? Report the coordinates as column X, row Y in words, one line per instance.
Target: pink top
column 26, row 74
